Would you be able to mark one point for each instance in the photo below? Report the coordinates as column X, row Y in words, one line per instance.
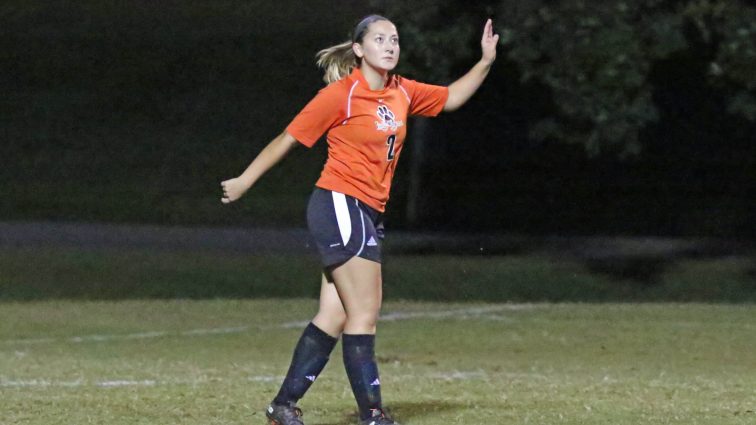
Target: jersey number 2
column 390, row 142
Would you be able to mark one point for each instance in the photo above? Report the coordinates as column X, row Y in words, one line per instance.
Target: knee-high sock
column 362, row 370
column 310, row 357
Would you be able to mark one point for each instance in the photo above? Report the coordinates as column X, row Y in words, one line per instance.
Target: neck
column 376, row 79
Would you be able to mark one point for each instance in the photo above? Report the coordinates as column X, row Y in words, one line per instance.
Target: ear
column 357, row 49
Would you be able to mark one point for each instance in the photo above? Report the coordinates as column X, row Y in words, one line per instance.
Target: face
column 379, row 47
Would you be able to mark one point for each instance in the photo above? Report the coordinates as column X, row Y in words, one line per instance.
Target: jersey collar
column 357, row 75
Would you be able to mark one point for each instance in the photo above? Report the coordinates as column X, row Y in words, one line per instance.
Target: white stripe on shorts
column 362, row 220
column 342, row 216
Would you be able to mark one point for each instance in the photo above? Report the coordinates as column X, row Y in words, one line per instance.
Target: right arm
column 233, row 189
column 322, row 113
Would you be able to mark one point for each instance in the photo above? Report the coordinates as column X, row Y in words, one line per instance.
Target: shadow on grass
column 751, row 273
column 404, row 411
column 643, row 270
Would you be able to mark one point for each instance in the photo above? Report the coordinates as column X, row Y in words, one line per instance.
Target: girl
column 364, row 110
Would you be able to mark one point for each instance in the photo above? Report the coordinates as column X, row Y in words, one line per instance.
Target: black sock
column 309, row 359
column 362, row 370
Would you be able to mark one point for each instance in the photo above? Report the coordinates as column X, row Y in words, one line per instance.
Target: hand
column 233, row 189
column 488, row 43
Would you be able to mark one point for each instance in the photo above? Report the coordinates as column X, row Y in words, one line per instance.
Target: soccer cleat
column 379, row 417
column 284, row 414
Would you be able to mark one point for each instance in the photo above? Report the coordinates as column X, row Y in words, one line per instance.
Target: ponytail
column 339, row 60
column 336, row 61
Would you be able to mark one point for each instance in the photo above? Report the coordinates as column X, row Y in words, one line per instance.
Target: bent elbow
column 452, row 104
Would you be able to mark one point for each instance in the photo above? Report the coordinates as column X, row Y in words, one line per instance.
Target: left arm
column 461, row 90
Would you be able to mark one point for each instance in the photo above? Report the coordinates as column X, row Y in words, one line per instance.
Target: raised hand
column 488, row 42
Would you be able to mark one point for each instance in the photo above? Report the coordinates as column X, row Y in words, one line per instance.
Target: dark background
column 133, row 112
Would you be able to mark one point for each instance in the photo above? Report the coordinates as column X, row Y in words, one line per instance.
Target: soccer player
column 363, row 110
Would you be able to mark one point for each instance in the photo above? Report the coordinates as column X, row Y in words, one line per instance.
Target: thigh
column 359, row 285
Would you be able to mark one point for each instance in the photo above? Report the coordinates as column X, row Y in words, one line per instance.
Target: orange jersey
column 366, row 130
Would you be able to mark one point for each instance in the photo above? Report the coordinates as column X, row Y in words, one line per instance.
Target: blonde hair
column 339, row 60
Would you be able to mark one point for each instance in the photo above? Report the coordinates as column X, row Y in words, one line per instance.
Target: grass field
column 221, row 361
column 36, row 273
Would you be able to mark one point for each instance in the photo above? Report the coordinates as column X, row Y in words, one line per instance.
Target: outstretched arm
column 461, row 90
column 233, row 189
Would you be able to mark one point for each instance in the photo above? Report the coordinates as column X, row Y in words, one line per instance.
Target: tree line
column 595, row 58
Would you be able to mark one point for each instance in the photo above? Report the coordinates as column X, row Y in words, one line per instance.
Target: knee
column 363, row 323
column 339, row 319
column 332, row 322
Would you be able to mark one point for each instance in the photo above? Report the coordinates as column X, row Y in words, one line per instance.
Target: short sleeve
column 322, row 113
column 427, row 100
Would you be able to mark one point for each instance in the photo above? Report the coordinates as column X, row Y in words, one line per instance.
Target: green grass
column 55, row 273
column 221, row 361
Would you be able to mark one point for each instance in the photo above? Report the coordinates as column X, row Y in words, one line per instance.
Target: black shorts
column 343, row 227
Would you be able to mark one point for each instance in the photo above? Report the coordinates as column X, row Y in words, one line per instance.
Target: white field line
column 116, row 383
column 42, row 383
column 478, row 312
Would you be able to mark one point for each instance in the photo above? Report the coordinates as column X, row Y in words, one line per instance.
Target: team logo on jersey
column 388, row 120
